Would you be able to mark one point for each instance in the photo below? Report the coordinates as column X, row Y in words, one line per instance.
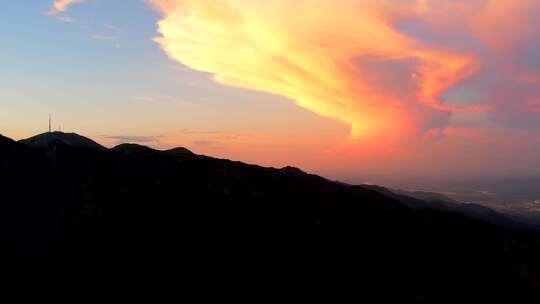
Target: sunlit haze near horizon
column 378, row 91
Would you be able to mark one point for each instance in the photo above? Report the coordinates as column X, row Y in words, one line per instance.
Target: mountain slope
column 131, row 223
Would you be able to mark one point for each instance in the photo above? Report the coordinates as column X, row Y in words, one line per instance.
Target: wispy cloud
column 205, row 142
column 113, row 27
column 101, row 37
column 141, row 139
column 164, row 100
column 192, row 132
column 59, row 9
column 65, row 19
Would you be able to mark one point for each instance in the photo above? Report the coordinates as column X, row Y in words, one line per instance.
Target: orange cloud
column 342, row 59
column 61, row 6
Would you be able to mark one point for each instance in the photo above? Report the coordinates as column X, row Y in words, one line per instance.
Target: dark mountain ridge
column 83, row 224
column 6, row 140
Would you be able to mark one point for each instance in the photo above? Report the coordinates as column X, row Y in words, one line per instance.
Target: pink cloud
column 61, row 6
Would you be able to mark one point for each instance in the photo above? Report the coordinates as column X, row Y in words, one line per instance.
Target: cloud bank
column 397, row 68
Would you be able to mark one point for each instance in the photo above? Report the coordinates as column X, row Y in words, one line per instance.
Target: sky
column 356, row 90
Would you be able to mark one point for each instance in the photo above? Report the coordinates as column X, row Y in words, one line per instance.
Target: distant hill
column 427, row 196
column 70, row 139
column 437, row 201
column 85, row 224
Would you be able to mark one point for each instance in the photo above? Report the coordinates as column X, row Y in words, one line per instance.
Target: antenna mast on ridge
column 49, row 123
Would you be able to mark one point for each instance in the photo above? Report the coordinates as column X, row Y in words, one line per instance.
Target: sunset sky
column 357, row 90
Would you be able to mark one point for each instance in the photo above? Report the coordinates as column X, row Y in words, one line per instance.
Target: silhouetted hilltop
column 134, row 150
column 179, row 151
column 293, row 170
column 80, row 225
column 70, row 139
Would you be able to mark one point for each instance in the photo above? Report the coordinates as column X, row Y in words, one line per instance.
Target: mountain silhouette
column 70, row 139
column 86, row 224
